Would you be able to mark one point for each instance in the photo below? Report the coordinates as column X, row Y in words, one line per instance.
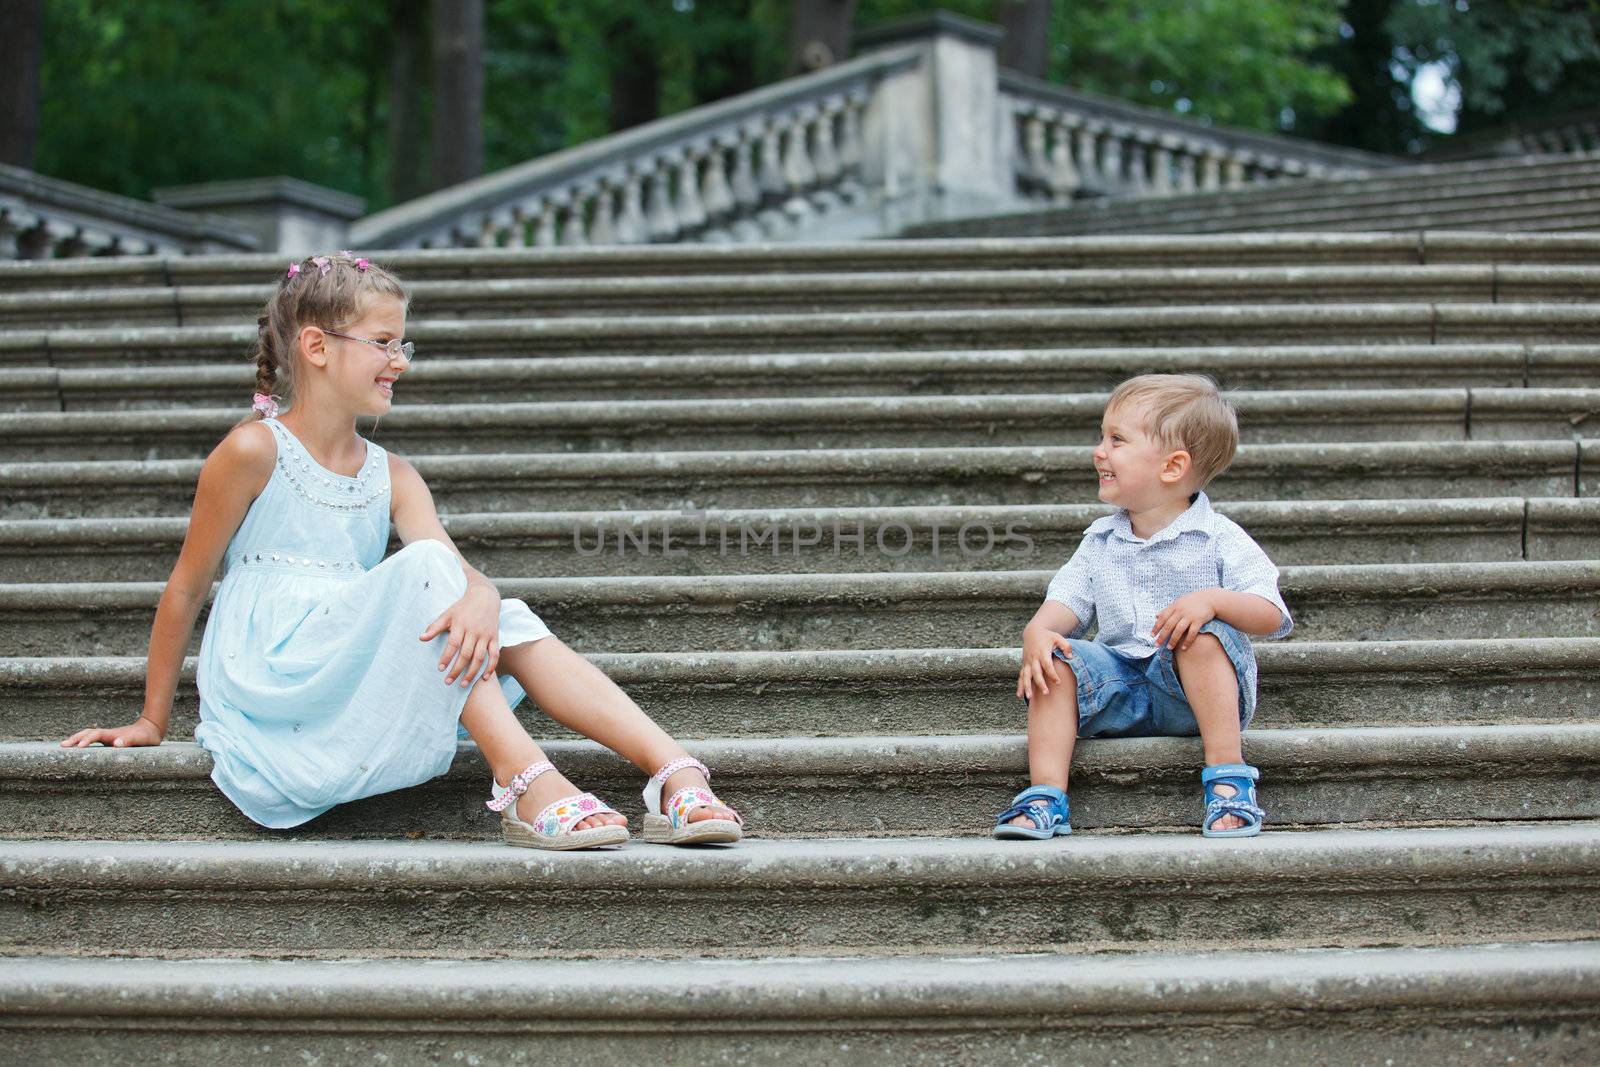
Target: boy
column 1174, row 587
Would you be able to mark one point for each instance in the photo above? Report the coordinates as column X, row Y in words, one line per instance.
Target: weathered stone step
column 819, row 897
column 870, row 786
column 851, row 477
column 584, row 378
column 935, row 691
column 1269, row 417
column 845, row 540
column 979, row 608
column 195, row 305
column 1011, row 253
column 928, row 330
column 1532, row 1003
column 1487, row 189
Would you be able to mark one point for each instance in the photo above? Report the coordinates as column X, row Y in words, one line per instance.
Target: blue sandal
column 1242, row 803
column 1045, row 805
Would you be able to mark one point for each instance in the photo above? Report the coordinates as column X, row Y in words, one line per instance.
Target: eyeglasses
column 396, row 348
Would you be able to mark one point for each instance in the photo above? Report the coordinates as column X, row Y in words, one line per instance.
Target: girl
column 327, row 675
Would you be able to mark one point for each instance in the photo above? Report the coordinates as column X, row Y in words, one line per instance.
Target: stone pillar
column 289, row 216
column 937, row 137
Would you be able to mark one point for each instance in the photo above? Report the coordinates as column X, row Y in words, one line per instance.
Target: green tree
column 1236, row 62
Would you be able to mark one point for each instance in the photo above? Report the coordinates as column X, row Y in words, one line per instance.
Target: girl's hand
column 474, row 625
column 1038, row 660
column 136, row 734
column 1178, row 624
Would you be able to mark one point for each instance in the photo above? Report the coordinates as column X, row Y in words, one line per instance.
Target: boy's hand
column 1038, row 660
column 474, row 625
column 1178, row 624
column 138, row 733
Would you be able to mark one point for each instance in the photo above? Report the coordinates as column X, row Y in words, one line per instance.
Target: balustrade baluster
column 1233, row 172
column 1033, row 160
column 573, row 233
column 544, row 233
column 771, row 181
column 1210, row 169
column 1161, row 168
column 517, row 232
column 1138, row 169
column 603, row 224
column 632, row 227
column 850, row 150
column 662, row 223
column 1062, row 173
column 715, row 194
column 1085, row 138
column 9, row 231
column 691, row 214
column 1111, row 165
column 746, row 193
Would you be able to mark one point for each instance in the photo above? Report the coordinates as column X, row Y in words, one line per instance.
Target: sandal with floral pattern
column 671, row 825
column 552, row 828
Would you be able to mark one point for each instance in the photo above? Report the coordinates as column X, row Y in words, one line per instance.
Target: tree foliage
column 143, row 93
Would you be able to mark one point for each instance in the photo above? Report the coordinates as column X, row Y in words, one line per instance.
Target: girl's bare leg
column 508, row 749
column 579, row 696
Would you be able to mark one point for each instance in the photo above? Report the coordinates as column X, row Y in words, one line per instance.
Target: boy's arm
column 1178, row 624
column 1045, row 633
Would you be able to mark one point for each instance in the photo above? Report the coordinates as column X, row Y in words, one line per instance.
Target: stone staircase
column 799, row 502
column 1529, row 193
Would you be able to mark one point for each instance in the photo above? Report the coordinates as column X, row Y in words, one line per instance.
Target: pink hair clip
column 346, row 253
column 294, row 268
column 363, row 263
column 266, row 404
column 324, row 265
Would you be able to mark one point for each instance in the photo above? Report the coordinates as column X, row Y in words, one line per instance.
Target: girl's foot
column 690, row 777
column 553, row 786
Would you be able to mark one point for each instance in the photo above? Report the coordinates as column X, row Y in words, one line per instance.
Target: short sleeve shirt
column 1121, row 580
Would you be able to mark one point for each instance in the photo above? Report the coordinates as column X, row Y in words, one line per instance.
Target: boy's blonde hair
column 1188, row 412
column 330, row 291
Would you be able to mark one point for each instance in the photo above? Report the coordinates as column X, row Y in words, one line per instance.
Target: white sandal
column 673, row 827
column 552, row 827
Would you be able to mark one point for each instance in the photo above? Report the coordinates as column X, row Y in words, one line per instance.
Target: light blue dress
column 314, row 687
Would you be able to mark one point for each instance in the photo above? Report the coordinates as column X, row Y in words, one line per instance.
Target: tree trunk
column 819, row 33
column 457, row 91
column 635, row 80
column 1026, row 47
column 408, row 69
column 21, row 42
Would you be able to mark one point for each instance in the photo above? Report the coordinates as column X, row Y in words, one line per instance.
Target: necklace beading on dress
column 317, row 485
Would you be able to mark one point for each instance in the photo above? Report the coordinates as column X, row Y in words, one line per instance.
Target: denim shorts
column 1140, row 696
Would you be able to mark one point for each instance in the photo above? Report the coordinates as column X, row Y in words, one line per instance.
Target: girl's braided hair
column 328, row 291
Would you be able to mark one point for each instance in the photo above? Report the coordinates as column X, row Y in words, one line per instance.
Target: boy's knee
column 1205, row 647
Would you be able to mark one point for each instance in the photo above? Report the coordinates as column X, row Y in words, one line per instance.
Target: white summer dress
column 314, row 686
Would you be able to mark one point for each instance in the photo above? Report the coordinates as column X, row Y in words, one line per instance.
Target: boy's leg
column 1052, row 732
column 1211, row 686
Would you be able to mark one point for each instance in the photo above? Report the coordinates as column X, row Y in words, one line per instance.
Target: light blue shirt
column 1122, row 580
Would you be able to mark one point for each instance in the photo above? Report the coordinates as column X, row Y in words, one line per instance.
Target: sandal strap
column 504, row 798
column 681, row 763
column 658, row 781
column 1046, row 805
column 688, row 799
column 558, row 817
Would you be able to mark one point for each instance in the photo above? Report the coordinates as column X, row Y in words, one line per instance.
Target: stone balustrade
column 1066, row 144
column 1575, row 133
column 43, row 218
column 761, row 166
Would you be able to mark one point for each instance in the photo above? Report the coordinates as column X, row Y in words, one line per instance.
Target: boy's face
column 1136, row 471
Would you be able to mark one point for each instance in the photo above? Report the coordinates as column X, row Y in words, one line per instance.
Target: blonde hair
column 1188, row 412
column 331, row 292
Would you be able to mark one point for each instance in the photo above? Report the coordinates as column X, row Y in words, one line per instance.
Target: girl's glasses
column 396, row 348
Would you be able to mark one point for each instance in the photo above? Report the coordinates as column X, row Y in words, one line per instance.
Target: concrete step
column 925, row 330
column 839, row 896
column 1531, row 1003
column 870, row 786
column 979, row 608
column 845, row 540
column 621, row 378
column 499, row 298
column 933, row 691
column 1267, row 417
column 1007, row 254
column 1494, row 192
column 852, row 477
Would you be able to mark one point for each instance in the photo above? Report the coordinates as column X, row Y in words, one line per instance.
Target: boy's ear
column 314, row 345
column 1176, row 467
